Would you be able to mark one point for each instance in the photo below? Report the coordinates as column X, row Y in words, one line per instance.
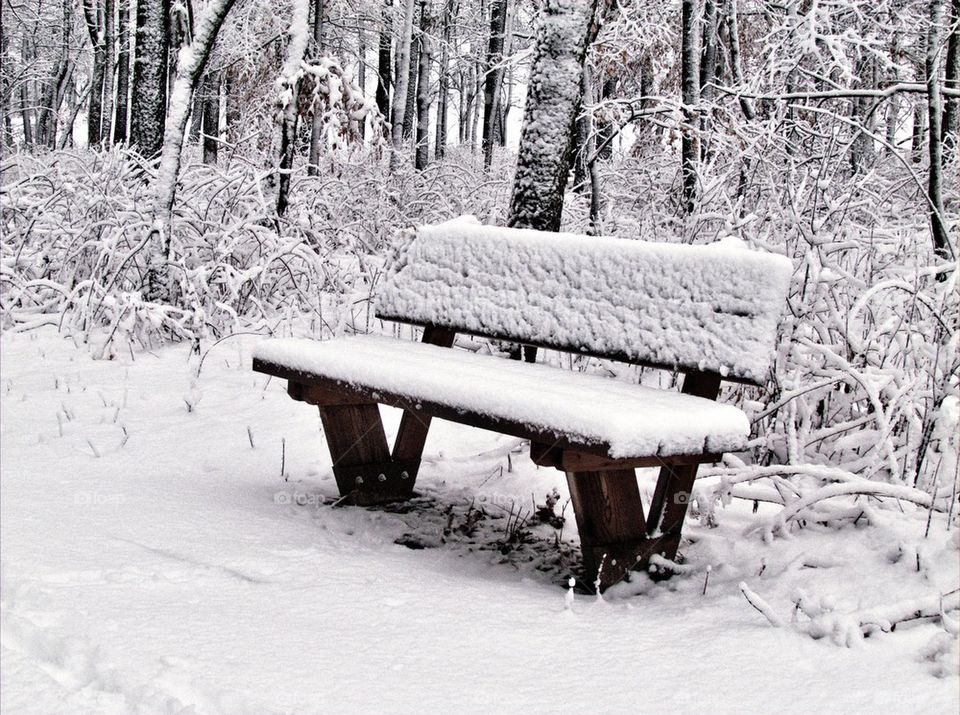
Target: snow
column 634, row 421
column 180, row 572
column 713, row 308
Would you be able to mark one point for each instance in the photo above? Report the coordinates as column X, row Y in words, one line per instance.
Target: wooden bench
column 710, row 312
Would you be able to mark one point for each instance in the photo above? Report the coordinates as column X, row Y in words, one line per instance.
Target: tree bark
column 26, row 101
column 5, row 90
column 210, row 117
column 316, row 124
column 938, row 228
column 449, row 16
column 109, row 38
column 736, row 66
column 581, row 136
column 708, row 69
column 951, row 109
column 413, row 75
column 149, row 96
column 422, row 156
column 384, row 61
column 157, row 282
column 93, row 14
column 493, row 77
column 403, row 75
column 690, row 84
column 289, row 82
column 565, row 31
column 123, row 72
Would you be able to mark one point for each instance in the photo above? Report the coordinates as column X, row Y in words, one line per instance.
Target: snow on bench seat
column 628, row 420
column 711, row 308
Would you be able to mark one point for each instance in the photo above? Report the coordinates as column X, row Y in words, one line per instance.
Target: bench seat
column 611, row 417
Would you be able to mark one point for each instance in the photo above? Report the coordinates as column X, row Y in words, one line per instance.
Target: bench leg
column 675, row 482
column 361, row 458
column 669, row 508
column 609, row 516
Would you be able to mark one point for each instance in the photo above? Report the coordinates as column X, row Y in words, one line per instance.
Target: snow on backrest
column 712, row 308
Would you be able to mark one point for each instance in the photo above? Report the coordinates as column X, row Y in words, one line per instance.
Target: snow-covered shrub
column 75, row 250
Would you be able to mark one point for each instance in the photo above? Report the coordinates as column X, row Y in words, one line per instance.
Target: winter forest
column 187, row 186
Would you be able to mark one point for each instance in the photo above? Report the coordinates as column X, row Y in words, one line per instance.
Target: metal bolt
column 359, row 480
column 404, row 475
column 382, row 477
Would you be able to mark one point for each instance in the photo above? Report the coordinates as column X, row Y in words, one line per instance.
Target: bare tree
column 422, row 156
column 938, row 228
column 403, row 74
column 690, row 90
column 189, row 71
column 316, row 125
column 149, row 96
column 95, row 18
column 450, row 9
column 951, row 109
column 384, row 60
column 123, row 71
column 289, row 92
column 565, row 31
column 493, row 70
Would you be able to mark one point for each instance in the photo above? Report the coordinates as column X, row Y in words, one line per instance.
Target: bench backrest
column 711, row 308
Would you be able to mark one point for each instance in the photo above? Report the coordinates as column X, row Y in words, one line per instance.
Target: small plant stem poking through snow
column 706, row 579
column 250, row 437
column 596, row 583
column 93, row 448
column 568, row 599
column 762, row 606
column 283, row 458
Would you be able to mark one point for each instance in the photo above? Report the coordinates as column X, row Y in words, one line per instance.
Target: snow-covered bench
column 710, row 312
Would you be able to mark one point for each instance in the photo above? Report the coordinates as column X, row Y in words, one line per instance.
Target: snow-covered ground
column 153, row 560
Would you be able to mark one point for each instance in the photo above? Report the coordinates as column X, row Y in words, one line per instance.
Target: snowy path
column 172, row 573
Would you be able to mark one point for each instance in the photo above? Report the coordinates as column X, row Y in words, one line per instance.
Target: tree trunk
column 449, row 16
column 316, row 123
column 493, row 76
column 938, row 228
column 736, row 67
column 565, row 31
column 157, row 281
column 504, row 95
column 26, row 101
column 362, row 68
column 5, row 91
column 93, row 13
column 477, row 89
column 55, row 87
column 862, row 112
column 893, row 104
column 423, row 87
column 289, row 82
column 383, row 61
column 708, row 68
column 951, row 109
column 123, row 72
column 403, row 75
column 581, row 136
column 690, row 84
column 413, row 74
column 109, row 38
column 149, row 95
column 210, row 117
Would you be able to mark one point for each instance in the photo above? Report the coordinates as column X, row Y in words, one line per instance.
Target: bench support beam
column 609, row 515
column 366, row 470
column 675, row 482
column 415, row 424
